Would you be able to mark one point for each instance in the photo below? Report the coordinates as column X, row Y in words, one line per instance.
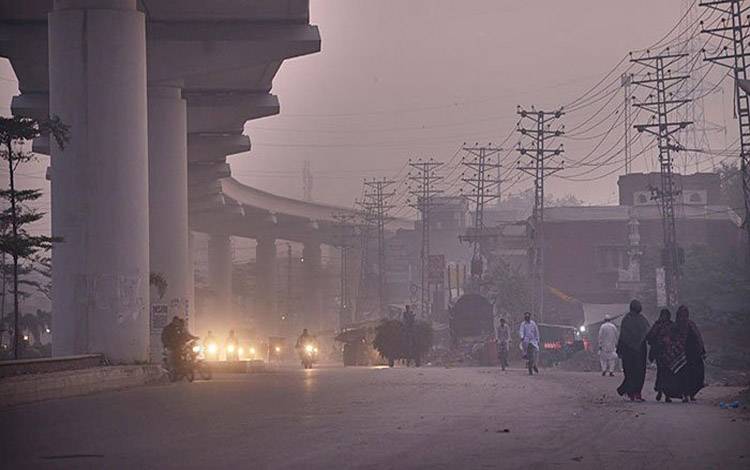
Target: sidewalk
column 44, row 386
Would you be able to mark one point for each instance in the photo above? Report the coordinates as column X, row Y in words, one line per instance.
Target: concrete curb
column 37, row 387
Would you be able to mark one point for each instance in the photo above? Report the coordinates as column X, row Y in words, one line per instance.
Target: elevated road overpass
column 157, row 93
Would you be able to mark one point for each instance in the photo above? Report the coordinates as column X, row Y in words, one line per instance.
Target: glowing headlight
column 582, row 329
column 309, row 348
column 315, row 349
column 230, row 348
column 252, row 351
column 212, row 348
column 196, row 349
column 240, row 351
column 277, row 349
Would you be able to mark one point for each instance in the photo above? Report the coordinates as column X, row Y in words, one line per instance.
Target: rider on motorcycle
column 307, row 348
column 231, row 346
column 303, row 339
column 175, row 336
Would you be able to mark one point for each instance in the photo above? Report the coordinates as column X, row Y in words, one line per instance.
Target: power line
column 735, row 58
column 377, row 204
column 424, row 195
column 540, row 132
column 344, row 241
column 661, row 102
column 483, row 190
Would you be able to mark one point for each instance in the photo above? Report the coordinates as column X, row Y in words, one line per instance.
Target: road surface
column 336, row 418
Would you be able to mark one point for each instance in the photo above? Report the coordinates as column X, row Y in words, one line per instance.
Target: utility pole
column 376, row 205
column 344, row 236
column 695, row 138
column 307, row 182
column 661, row 102
column 364, row 258
column 735, row 58
column 424, row 195
column 288, row 283
column 483, row 190
column 625, row 82
column 540, row 133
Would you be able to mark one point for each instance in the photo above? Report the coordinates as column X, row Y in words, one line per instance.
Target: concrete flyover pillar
column 265, row 282
column 168, row 208
column 97, row 75
column 312, row 273
column 220, row 283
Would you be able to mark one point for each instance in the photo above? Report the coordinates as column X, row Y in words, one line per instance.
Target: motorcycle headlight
column 309, row 348
column 315, row 349
column 196, row 349
column 212, row 348
column 241, row 351
column 277, row 349
column 230, row 348
column 252, row 351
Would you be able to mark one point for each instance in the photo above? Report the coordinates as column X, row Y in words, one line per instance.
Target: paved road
column 332, row 418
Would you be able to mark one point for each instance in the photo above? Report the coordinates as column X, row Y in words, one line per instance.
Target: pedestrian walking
column 529, row 333
column 631, row 348
column 688, row 365
column 503, row 343
column 660, row 350
column 409, row 318
column 608, row 347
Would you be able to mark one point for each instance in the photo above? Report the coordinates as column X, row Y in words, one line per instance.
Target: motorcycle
column 190, row 361
column 308, row 355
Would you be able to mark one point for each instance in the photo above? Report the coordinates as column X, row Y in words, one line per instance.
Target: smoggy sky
column 398, row 79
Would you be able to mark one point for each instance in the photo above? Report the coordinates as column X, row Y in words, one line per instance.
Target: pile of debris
column 580, row 361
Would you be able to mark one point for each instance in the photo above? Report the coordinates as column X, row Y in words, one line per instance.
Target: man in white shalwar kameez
column 529, row 334
column 608, row 347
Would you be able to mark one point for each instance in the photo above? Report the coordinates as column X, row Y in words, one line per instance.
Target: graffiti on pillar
column 159, row 316
column 119, row 295
column 130, row 303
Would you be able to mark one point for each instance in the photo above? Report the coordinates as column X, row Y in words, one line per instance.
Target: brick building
column 607, row 254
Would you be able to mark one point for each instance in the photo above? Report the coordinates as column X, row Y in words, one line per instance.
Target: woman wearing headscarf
column 631, row 347
column 688, row 355
column 658, row 339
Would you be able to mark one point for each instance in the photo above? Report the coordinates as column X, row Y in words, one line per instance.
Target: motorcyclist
column 306, row 348
column 231, row 346
column 174, row 337
column 304, row 339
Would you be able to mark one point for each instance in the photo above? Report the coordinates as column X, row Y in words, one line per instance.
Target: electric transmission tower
column 376, row 206
column 695, row 138
column 424, row 194
column 365, row 234
column 734, row 30
column 307, row 182
column 661, row 102
column 484, row 186
column 344, row 241
column 539, row 148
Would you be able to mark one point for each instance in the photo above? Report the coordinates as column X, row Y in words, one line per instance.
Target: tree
column 569, row 200
column 526, row 199
column 714, row 282
column 15, row 240
column 731, row 187
column 509, row 289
